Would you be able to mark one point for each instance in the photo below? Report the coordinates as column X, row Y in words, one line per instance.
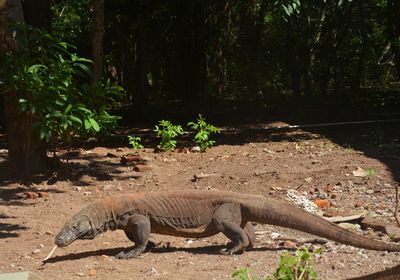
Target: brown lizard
column 199, row 214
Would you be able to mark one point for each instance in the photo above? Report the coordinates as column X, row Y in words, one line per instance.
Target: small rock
column 308, row 180
column 142, row 168
column 48, row 232
column 92, row 272
column 106, row 187
column 195, row 149
column 52, row 180
column 184, row 150
column 359, row 204
column 31, row 195
column 77, row 189
column 153, row 271
column 359, row 172
column 80, row 274
column 275, row 235
column 43, row 194
column 322, row 194
column 322, row 203
column 169, row 160
column 130, row 158
column 370, row 191
column 350, row 226
column 87, row 193
column 393, row 231
column 111, row 155
column 329, row 188
column 36, row 251
column 289, row 244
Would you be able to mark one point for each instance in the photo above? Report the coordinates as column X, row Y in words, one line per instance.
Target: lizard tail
column 274, row 212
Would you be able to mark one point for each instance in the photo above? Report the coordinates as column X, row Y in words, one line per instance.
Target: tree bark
column 26, row 153
column 292, row 58
column 140, row 97
column 393, row 29
column 37, row 13
column 98, row 27
column 254, row 54
column 364, row 43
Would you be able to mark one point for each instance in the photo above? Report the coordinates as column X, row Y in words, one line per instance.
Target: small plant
column 291, row 267
column 244, row 274
column 296, row 267
column 370, row 172
column 135, row 142
column 168, row 132
column 203, row 131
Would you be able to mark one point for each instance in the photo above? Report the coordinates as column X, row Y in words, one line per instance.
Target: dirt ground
column 248, row 159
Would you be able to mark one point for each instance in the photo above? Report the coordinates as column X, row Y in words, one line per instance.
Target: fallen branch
column 340, row 219
column 304, row 241
column 202, row 176
column 396, row 209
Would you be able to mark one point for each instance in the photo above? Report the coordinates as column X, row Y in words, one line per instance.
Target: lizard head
column 79, row 227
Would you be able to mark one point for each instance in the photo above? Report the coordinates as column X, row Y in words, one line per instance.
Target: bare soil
column 248, row 159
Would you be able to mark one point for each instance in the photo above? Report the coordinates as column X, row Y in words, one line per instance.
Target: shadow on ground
column 205, row 250
column 8, row 230
column 81, row 170
column 387, row 274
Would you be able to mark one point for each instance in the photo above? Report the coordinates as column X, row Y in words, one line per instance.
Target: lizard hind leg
column 227, row 219
column 137, row 229
column 250, row 232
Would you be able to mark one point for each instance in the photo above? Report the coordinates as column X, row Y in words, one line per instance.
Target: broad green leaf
column 94, row 124
column 87, row 123
column 75, row 119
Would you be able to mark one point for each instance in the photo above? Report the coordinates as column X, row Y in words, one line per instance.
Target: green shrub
column 135, row 142
column 203, row 131
column 291, row 267
column 52, row 83
column 168, row 132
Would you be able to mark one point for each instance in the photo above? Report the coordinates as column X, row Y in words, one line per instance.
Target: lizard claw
column 129, row 255
column 226, row 252
column 121, row 255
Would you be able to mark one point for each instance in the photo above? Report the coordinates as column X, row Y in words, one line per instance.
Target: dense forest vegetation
column 186, row 54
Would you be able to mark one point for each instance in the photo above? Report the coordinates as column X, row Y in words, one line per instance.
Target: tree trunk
column 198, row 65
column 292, row 58
column 254, row 54
column 364, row 43
column 336, row 38
column 26, row 153
column 393, row 29
column 140, row 97
column 37, row 13
column 97, row 40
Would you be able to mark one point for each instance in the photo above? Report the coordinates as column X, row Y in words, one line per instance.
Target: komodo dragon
column 199, row 214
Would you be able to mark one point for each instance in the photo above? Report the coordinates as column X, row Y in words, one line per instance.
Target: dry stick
column 51, row 253
column 396, row 209
column 303, row 241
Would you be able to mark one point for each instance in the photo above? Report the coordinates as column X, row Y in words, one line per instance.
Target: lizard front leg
column 137, row 228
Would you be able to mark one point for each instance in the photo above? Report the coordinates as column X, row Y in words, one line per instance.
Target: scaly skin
column 197, row 214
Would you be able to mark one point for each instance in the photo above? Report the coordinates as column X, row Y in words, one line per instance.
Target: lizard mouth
column 64, row 238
